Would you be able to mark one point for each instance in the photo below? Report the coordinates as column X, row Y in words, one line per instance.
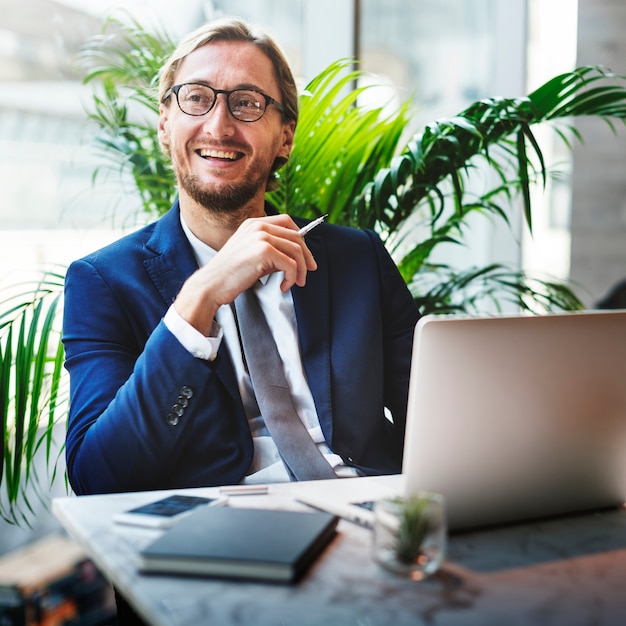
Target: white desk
column 553, row 573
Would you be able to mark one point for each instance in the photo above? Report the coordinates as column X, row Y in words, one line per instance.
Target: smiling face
column 221, row 163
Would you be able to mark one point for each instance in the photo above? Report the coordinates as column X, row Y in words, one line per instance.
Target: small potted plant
column 410, row 534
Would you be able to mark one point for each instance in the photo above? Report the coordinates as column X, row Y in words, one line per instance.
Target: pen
column 244, row 490
column 311, row 225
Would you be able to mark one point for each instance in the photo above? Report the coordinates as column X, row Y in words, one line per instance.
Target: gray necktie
column 298, row 450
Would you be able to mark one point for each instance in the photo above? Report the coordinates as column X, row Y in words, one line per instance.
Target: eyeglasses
column 245, row 105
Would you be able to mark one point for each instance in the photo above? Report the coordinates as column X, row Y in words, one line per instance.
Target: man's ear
column 289, row 130
column 163, row 127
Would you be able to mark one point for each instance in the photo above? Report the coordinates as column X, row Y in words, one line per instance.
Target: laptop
column 511, row 418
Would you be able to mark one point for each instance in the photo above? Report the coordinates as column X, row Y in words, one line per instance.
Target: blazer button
column 177, row 410
column 186, row 392
column 173, row 419
column 182, row 401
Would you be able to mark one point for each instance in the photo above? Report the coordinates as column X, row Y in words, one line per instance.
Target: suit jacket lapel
column 170, row 267
column 174, row 261
column 312, row 307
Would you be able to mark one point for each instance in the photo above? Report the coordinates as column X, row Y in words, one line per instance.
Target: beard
column 226, row 199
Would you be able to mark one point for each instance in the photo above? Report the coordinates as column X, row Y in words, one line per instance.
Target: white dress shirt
column 267, row 466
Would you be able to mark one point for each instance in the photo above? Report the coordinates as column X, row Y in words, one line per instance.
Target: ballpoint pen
column 311, row 225
column 244, row 490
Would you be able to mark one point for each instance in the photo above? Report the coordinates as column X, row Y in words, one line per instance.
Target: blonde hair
column 232, row 29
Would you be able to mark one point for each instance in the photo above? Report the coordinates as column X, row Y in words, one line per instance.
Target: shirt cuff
column 192, row 339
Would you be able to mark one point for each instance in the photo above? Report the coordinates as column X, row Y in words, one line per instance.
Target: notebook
column 243, row 543
column 511, row 418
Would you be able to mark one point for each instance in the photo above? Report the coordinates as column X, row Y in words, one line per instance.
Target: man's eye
column 247, row 103
column 196, row 97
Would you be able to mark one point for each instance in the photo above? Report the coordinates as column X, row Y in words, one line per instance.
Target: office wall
column 598, row 242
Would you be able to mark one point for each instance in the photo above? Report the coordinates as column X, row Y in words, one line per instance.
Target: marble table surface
column 568, row 571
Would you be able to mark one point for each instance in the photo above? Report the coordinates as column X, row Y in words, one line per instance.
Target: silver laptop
column 510, row 418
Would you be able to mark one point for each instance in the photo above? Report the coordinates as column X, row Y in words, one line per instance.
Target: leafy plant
column 123, row 65
column 425, row 199
column 32, row 390
column 339, row 146
column 435, row 167
column 416, row 522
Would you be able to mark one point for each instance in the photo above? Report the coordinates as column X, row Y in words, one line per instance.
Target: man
column 160, row 392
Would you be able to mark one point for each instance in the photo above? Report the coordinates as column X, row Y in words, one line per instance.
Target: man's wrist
column 197, row 344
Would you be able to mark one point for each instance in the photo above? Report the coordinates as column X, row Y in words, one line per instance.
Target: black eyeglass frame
column 268, row 100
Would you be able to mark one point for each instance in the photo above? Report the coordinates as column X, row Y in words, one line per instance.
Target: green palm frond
column 123, row 64
column 33, row 394
column 497, row 130
column 426, row 189
column 339, row 146
column 445, row 290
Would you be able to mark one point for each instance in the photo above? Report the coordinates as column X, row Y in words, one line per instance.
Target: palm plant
column 32, row 391
column 123, row 66
column 357, row 165
column 348, row 166
column 496, row 132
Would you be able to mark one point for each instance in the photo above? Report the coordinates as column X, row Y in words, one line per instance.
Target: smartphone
column 165, row 512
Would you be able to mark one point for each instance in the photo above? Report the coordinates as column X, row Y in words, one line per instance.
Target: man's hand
column 260, row 246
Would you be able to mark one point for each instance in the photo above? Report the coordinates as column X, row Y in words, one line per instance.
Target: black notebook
column 253, row 544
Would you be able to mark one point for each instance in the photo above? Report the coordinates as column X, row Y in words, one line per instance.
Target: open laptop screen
column 519, row 417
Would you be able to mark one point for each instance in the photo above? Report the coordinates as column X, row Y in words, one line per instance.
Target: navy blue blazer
column 127, row 371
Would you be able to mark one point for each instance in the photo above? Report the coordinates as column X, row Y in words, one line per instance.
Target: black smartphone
column 165, row 512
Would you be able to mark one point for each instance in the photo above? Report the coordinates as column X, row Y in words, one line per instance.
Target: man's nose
column 219, row 121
